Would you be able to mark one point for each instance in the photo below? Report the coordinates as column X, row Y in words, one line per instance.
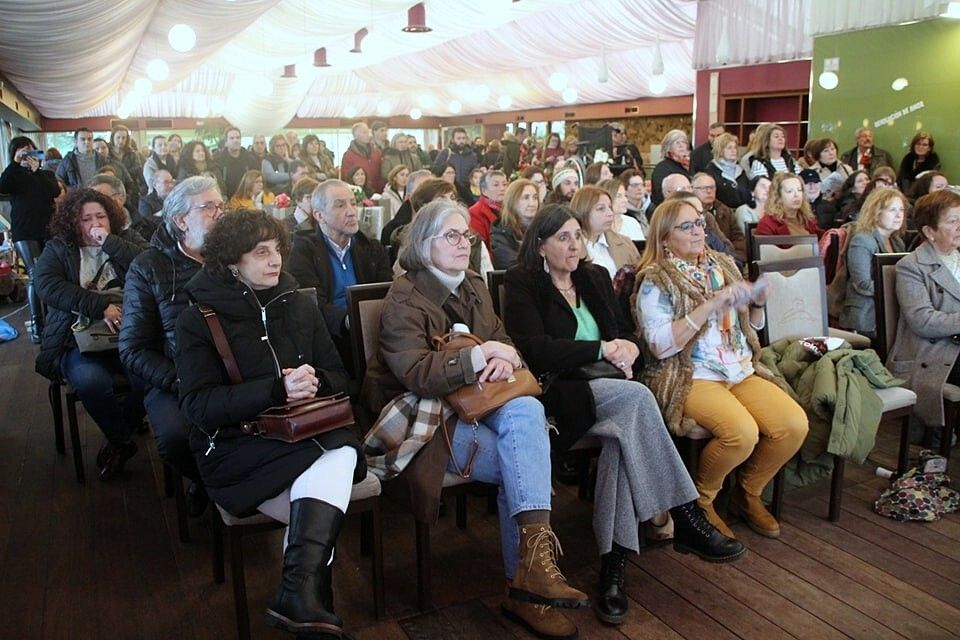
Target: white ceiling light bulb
column 349, row 111
column 828, row 80
column 504, row 101
column 557, row 81
column 900, row 84
column 658, row 84
column 383, row 108
column 569, row 95
column 426, row 100
column 481, row 93
column 157, row 70
column 142, row 87
column 415, row 114
column 182, row 37
column 455, row 106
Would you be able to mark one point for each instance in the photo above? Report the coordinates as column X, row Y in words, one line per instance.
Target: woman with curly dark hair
column 195, row 161
column 283, row 353
column 80, row 278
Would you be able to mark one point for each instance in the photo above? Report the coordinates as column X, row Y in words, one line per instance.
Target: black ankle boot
column 693, row 533
column 611, row 601
column 299, row 606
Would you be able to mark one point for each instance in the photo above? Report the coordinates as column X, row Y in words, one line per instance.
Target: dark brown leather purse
column 291, row 422
column 472, row 402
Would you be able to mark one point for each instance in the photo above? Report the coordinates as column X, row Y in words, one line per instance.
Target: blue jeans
column 92, row 376
column 514, row 453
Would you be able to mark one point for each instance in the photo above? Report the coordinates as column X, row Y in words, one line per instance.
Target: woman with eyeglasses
column 699, row 320
column 567, row 322
column 80, row 277
column 275, row 166
column 509, row 447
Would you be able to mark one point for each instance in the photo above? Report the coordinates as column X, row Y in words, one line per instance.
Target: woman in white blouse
column 593, row 209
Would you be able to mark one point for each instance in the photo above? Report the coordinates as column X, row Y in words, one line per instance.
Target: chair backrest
column 771, row 248
column 796, row 298
column 365, row 302
column 885, row 303
column 495, row 280
column 748, row 230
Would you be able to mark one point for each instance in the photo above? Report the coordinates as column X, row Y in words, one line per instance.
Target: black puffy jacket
column 154, row 295
column 58, row 282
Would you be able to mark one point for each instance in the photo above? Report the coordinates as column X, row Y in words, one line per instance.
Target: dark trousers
column 172, row 432
column 93, row 376
column 29, row 251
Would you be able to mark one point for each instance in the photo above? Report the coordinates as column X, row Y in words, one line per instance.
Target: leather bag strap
column 220, row 340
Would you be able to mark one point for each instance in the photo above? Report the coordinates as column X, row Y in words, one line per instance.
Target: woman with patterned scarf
column 699, row 320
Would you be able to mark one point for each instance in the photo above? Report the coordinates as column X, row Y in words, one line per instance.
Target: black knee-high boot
column 304, row 602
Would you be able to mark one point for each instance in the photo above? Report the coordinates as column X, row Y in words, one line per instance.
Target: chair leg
column 424, row 594
column 946, row 434
column 216, row 539
column 75, row 438
column 376, row 526
column 56, row 406
column 836, row 488
column 167, row 481
column 239, row 585
column 903, row 460
column 366, row 533
column 776, row 504
column 183, row 521
column 462, row 511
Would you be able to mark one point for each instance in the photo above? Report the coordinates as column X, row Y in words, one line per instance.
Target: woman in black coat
column 32, row 191
column 283, row 353
column 920, row 158
column 564, row 317
column 79, row 278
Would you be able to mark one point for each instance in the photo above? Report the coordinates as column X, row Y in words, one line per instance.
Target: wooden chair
column 365, row 303
column 495, row 281
column 888, row 315
column 772, row 248
column 364, row 499
column 749, row 230
column 797, row 308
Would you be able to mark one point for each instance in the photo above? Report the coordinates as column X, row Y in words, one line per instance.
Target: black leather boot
column 693, row 533
column 611, row 602
column 299, row 606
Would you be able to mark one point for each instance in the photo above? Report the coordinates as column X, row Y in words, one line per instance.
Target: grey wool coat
column 928, row 332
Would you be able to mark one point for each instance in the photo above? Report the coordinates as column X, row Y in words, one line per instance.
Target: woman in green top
column 562, row 314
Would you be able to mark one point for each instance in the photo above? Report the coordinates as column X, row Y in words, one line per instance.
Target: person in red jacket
column 363, row 153
column 788, row 211
column 486, row 210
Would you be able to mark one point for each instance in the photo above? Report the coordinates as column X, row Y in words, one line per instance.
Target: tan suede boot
column 717, row 521
column 542, row 621
column 538, row 579
column 754, row 513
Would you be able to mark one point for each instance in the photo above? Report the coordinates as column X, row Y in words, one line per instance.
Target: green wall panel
column 927, row 54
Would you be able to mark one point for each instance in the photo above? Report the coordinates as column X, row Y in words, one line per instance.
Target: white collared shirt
column 599, row 253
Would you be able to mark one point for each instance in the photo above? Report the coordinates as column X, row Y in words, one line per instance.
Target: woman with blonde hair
column 520, row 204
column 877, row 230
column 250, row 194
column 593, row 209
column 622, row 223
column 699, row 320
column 772, row 156
column 733, row 183
column 394, row 189
column 788, row 211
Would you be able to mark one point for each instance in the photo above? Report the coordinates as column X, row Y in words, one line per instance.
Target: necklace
column 565, row 291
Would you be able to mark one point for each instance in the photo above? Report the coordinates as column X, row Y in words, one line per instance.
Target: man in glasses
column 335, row 257
column 153, row 298
column 623, row 154
column 705, row 188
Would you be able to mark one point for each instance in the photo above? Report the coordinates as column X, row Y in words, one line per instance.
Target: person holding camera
column 32, row 191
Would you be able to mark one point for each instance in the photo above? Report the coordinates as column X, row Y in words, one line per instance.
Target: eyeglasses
column 210, row 207
column 690, row 225
column 453, row 237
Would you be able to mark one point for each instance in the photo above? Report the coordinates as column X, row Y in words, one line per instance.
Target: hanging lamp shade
column 320, row 57
column 358, row 39
column 289, row 71
column 417, row 19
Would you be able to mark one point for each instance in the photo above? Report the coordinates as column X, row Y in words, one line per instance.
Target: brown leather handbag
column 472, row 402
column 291, row 422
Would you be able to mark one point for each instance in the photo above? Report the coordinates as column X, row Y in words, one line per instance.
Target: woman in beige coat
column 928, row 290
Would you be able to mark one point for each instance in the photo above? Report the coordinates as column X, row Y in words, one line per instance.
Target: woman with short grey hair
column 675, row 148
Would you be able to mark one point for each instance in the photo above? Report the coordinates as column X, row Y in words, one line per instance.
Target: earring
column 234, row 272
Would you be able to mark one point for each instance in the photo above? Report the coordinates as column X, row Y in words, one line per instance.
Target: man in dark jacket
column 153, row 298
column 865, row 155
column 150, row 206
column 80, row 165
column 460, row 154
column 703, row 154
column 823, row 210
column 336, row 257
column 233, row 162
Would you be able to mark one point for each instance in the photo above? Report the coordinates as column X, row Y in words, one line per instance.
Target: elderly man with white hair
column 363, row 153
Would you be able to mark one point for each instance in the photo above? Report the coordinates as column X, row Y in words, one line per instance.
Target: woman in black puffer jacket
column 283, row 353
column 85, row 258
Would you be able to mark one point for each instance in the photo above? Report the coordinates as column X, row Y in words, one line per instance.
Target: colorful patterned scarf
column 707, row 276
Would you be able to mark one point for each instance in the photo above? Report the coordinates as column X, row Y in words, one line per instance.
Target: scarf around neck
column 707, row 276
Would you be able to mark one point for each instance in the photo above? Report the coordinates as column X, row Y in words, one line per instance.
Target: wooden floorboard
column 104, row 560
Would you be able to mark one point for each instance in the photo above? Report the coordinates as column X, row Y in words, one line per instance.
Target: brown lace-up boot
column 754, row 513
column 538, row 579
column 541, row 620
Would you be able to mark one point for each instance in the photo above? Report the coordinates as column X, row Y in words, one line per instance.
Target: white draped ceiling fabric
column 80, row 58
column 741, row 32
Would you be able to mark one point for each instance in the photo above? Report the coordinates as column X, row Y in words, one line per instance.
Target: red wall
column 755, row 79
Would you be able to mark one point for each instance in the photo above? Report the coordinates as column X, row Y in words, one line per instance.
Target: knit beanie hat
column 563, row 174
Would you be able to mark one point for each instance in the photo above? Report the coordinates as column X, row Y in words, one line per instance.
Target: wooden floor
column 104, row 560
